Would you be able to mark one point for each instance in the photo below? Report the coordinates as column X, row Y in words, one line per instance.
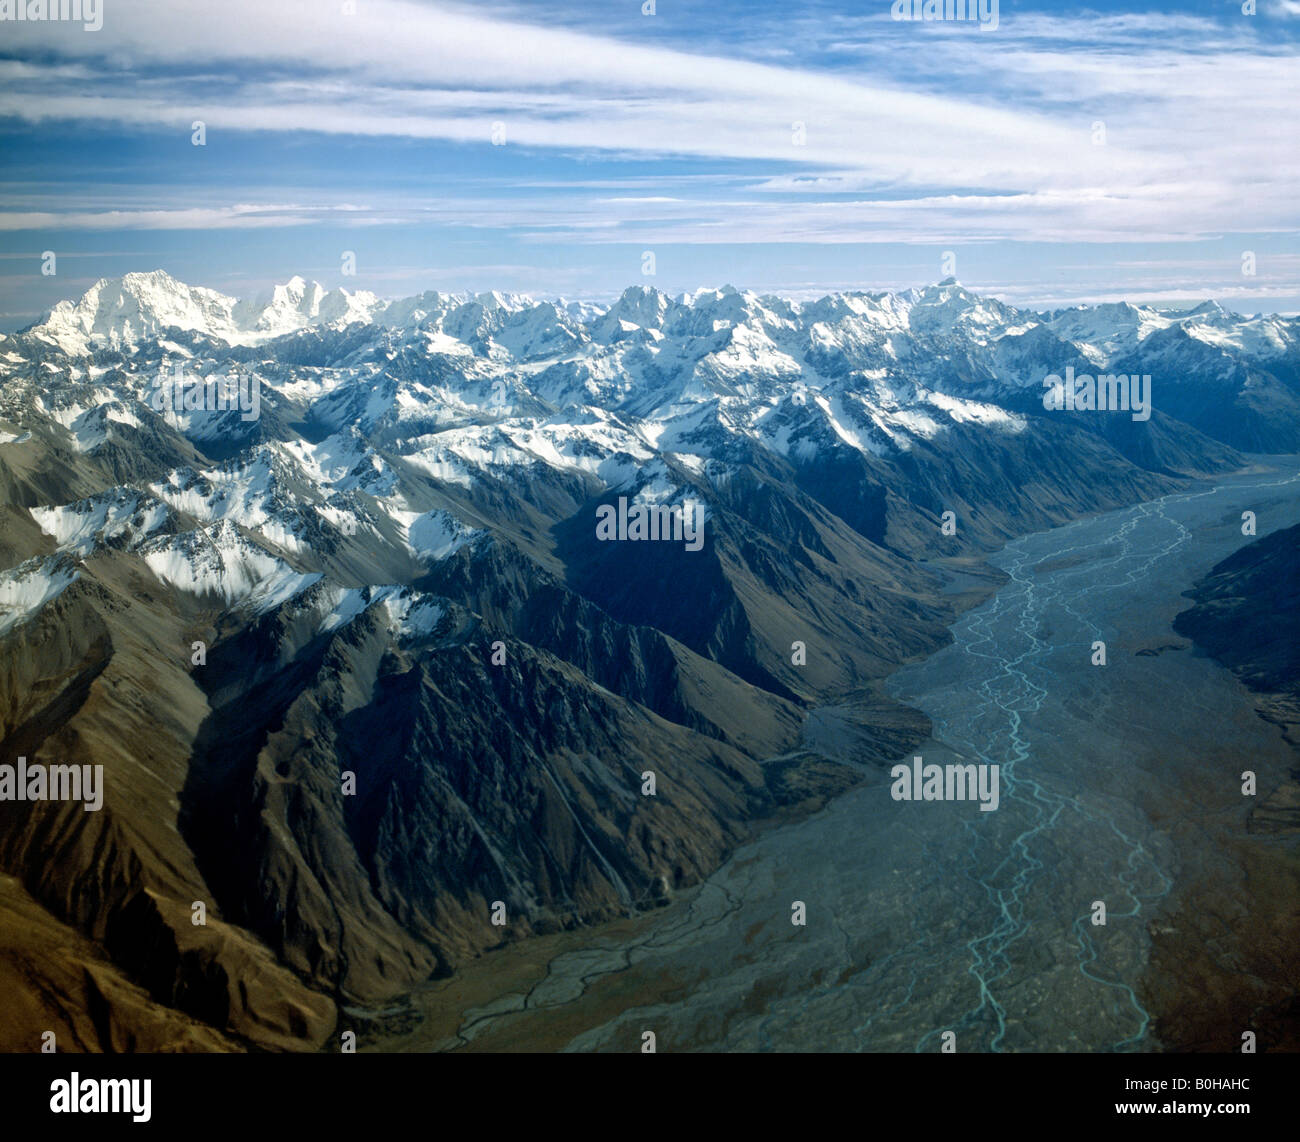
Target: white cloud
column 972, row 137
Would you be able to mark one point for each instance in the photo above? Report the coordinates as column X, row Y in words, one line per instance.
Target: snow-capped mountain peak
column 119, row 313
column 134, row 307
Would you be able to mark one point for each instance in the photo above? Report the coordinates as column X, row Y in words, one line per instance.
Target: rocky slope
column 1247, row 616
column 360, row 671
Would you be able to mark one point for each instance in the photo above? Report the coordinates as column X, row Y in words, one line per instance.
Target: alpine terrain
column 346, row 597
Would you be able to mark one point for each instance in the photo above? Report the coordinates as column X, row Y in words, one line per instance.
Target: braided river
column 933, row 923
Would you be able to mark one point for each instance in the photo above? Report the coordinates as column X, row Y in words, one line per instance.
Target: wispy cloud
column 840, row 126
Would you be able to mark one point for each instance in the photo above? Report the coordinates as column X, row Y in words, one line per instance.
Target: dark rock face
column 1247, row 613
column 1247, row 616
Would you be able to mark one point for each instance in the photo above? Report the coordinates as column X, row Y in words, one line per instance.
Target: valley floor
column 1120, row 784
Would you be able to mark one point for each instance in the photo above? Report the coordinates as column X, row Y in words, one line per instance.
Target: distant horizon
column 1056, row 156
column 1174, row 304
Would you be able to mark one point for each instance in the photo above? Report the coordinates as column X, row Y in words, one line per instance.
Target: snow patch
column 115, row 514
column 25, row 589
column 220, row 562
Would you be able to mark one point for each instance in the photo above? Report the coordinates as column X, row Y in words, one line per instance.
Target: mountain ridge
column 387, row 566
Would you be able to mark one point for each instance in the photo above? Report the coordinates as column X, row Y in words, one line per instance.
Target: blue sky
column 1067, row 154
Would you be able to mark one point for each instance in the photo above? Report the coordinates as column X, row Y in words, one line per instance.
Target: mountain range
column 364, row 679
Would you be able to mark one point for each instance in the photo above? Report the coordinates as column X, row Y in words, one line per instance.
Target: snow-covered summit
column 129, row 309
column 125, row 311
